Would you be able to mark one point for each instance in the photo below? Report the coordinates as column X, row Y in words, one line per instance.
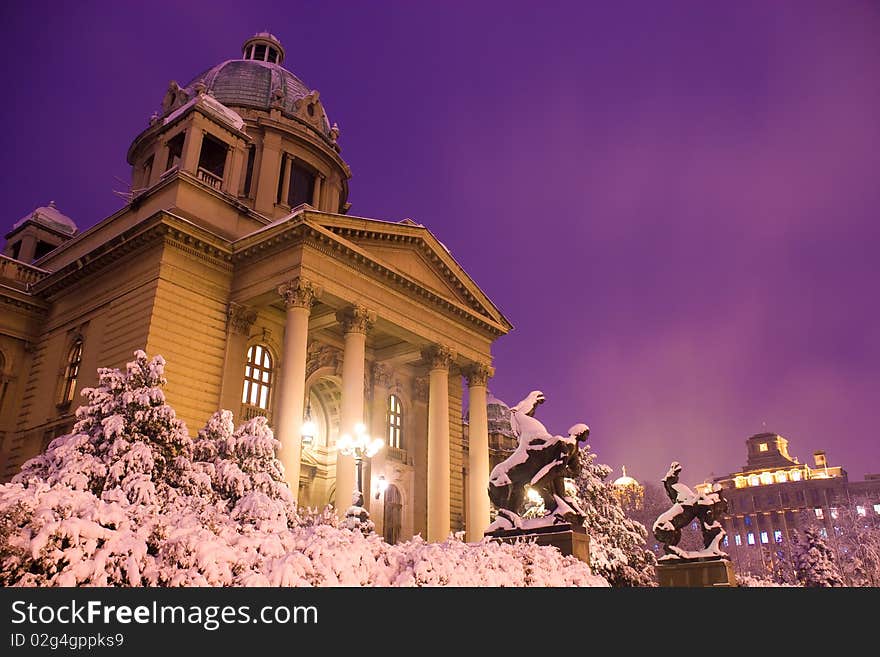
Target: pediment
column 411, row 250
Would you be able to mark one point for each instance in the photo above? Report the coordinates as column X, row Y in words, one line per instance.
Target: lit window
column 257, row 377
column 862, row 511
column 766, row 478
column 740, row 482
column 762, row 447
column 819, row 513
column 764, row 537
column 795, row 475
column 823, row 532
column 724, row 542
column 751, row 538
column 395, row 422
column 877, row 508
column 737, row 539
column 748, row 521
column 834, row 513
column 781, row 477
column 754, row 480
column 777, row 535
column 71, row 372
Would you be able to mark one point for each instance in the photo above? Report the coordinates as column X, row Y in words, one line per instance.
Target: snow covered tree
column 814, row 560
column 128, row 499
column 617, row 543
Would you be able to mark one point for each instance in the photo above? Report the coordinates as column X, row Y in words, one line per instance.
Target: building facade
column 774, row 494
column 237, row 260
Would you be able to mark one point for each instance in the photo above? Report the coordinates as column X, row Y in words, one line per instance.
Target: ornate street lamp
column 309, row 429
column 360, row 447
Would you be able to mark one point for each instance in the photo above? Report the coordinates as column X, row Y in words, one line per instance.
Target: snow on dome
column 50, row 217
column 625, row 480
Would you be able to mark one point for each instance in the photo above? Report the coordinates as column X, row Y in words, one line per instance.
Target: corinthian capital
column 356, row 319
column 240, row 318
column 478, row 373
column 299, row 293
column 439, row 357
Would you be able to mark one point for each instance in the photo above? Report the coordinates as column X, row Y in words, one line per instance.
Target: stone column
column 356, row 322
column 267, row 182
column 316, row 192
column 298, row 295
column 227, row 183
column 192, row 149
column 160, row 159
column 477, row 516
column 439, row 359
column 285, row 183
column 236, row 181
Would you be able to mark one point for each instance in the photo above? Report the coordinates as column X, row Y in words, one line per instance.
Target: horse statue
column 540, row 461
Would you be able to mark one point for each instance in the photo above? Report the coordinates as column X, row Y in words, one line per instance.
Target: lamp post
column 309, row 429
column 360, row 447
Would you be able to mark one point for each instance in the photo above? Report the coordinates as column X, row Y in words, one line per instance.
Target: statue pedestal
column 711, row 572
column 571, row 540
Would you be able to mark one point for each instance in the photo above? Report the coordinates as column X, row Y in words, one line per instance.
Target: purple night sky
column 675, row 204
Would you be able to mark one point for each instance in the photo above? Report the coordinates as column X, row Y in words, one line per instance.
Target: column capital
column 478, row 374
column 240, row 318
column 356, row 319
column 299, row 292
column 439, row 357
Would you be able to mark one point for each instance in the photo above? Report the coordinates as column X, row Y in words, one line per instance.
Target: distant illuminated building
column 629, row 491
column 768, row 499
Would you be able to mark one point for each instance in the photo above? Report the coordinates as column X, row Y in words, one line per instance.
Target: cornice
column 162, row 226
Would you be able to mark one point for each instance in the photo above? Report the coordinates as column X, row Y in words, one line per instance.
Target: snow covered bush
column 129, row 499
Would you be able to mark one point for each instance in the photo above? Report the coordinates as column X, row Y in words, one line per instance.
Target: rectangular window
column 302, row 185
column 724, row 542
column 175, row 150
column 820, row 514
column 762, row 447
column 737, row 539
column 823, row 532
column 751, row 538
column 249, row 172
column 764, row 537
column 777, row 535
column 748, row 521
column 862, row 511
column 877, row 508
column 834, row 513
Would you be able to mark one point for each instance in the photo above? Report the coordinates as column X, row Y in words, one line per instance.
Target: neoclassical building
column 237, row 260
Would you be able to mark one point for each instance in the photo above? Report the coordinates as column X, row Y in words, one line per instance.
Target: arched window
column 257, row 377
column 395, row 422
column 71, row 372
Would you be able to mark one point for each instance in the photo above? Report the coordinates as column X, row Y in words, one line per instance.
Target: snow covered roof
column 50, row 217
column 211, row 106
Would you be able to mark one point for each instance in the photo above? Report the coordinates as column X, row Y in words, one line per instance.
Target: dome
column 625, row 480
column 259, row 81
column 49, row 217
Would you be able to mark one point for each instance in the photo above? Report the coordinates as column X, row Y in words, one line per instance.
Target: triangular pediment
column 412, row 251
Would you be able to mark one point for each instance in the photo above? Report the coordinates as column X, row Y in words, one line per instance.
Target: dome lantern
column 263, row 47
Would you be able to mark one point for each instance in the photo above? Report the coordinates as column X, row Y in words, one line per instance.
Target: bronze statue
column 540, row 461
column 686, row 506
